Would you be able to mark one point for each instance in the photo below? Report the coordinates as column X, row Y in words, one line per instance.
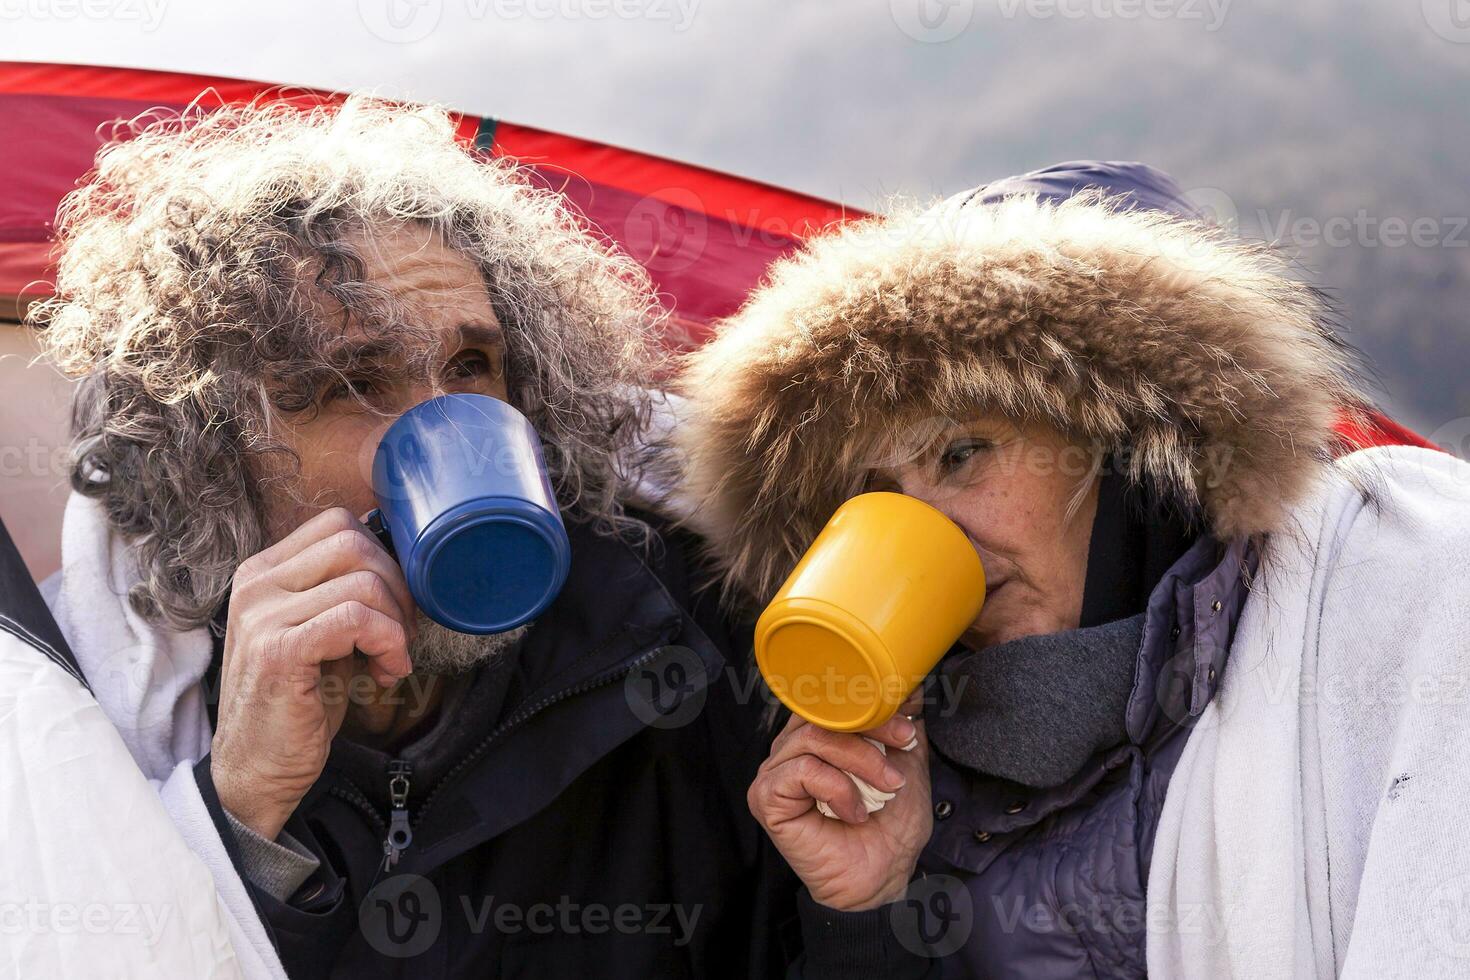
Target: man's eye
column 358, row 387
column 470, row 364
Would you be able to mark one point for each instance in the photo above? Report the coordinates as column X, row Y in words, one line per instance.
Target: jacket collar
column 1188, row 627
column 1187, row 632
column 571, row 705
column 23, row 613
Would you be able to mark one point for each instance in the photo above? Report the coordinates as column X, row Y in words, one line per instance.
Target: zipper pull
column 400, row 835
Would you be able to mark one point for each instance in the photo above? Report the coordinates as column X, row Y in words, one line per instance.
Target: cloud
column 1300, row 110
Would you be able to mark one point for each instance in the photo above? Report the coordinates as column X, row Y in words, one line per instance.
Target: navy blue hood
column 1142, row 188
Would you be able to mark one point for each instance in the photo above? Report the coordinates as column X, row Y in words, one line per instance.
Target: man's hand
column 859, row 860
column 298, row 611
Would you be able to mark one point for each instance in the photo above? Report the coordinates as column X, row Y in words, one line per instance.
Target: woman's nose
column 940, row 498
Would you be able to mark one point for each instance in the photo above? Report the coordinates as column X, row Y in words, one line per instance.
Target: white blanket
column 1318, row 824
column 96, row 880
column 146, row 683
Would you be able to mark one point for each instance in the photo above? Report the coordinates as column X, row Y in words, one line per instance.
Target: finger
column 793, row 788
column 843, row 751
column 345, row 550
column 337, row 697
column 793, row 724
column 338, row 631
column 318, row 527
column 897, row 732
column 364, row 585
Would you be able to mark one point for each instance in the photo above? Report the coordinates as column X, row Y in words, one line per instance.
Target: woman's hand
column 860, row 860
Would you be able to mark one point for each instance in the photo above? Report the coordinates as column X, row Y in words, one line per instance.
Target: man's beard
column 440, row 650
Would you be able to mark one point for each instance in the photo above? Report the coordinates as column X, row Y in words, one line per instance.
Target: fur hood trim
column 1192, row 354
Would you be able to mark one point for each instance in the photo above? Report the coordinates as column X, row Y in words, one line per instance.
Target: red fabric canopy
column 704, row 236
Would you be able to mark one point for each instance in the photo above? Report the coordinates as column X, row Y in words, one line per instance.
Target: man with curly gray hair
column 249, row 297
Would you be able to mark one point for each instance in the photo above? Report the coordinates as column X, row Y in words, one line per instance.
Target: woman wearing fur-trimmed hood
column 1158, row 446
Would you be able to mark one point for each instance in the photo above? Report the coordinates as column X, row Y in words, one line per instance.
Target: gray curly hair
column 192, row 265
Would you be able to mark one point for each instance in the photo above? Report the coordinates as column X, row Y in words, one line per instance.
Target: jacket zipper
column 400, row 834
column 398, row 829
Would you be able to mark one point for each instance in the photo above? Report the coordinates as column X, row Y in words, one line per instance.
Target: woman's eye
column 875, row 483
column 957, row 454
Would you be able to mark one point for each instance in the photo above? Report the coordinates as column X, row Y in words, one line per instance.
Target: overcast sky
column 1326, row 124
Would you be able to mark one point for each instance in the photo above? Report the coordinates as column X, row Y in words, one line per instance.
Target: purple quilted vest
column 1050, row 883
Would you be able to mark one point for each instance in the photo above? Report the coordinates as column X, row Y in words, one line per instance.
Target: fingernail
column 905, row 729
column 892, row 778
column 913, row 744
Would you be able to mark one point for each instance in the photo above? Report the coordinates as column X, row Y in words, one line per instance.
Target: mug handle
column 379, row 529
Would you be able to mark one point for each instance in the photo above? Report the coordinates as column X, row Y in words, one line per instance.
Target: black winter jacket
column 597, row 828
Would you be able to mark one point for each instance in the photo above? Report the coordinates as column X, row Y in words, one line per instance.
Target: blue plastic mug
column 465, row 506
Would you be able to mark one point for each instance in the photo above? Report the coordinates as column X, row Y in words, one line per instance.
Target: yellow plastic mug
column 879, row 597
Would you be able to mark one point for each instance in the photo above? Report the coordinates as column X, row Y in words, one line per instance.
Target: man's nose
column 407, row 396
column 404, row 399
column 417, row 394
